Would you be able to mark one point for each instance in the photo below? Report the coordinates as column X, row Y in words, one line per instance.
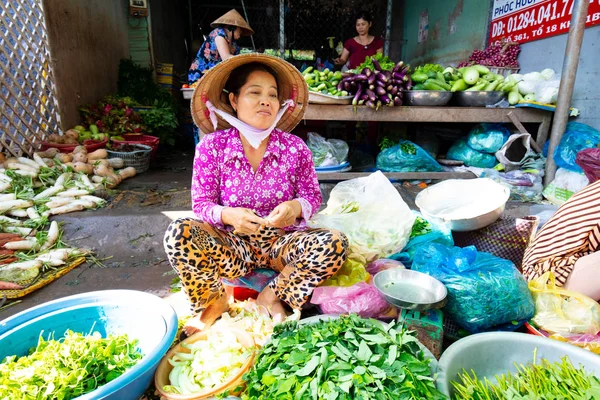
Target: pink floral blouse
column 223, row 177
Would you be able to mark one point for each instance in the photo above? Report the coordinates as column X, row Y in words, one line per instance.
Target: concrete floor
column 127, row 236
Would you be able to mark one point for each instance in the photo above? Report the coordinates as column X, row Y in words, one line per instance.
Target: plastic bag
column 351, row 273
column 362, row 299
column 589, row 161
column 515, row 152
column 371, row 213
column 461, row 151
column 256, row 280
column 577, row 137
column 585, row 341
column 564, row 185
column 327, row 153
column 406, row 157
column 488, row 138
column 424, row 232
column 483, row 290
column 524, row 187
column 562, row 311
column 383, row 264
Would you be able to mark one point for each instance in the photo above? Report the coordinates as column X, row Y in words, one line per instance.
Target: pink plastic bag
column 589, row 161
column 362, row 299
column 382, row 264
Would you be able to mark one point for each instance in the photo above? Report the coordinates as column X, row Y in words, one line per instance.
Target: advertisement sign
column 528, row 20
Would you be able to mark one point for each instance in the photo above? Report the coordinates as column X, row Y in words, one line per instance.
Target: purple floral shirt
column 223, row 177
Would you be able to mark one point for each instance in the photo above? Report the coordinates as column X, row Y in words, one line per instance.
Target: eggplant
column 399, row 75
column 377, row 105
column 360, row 77
column 364, row 97
column 356, row 97
column 371, row 79
column 340, row 86
column 369, row 103
column 367, row 72
column 389, row 88
column 385, row 100
column 388, row 74
column 397, row 101
column 381, row 77
column 348, row 75
column 361, row 102
column 381, row 84
column 380, row 91
column 376, row 64
column 394, row 90
column 398, row 66
column 347, row 86
column 371, row 95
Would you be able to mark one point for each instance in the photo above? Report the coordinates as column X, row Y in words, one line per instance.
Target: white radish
column 18, row 230
column 28, row 244
column 57, row 254
column 22, row 167
column 7, row 197
column 39, row 160
column 14, row 204
column 22, row 265
column 4, row 186
column 87, row 183
column 32, row 213
column 51, row 191
column 8, row 220
column 52, row 236
column 73, row 193
column 18, row 213
column 29, row 162
column 78, row 205
column 58, row 202
column 4, row 177
column 54, row 262
column 63, row 178
column 30, row 173
column 94, row 199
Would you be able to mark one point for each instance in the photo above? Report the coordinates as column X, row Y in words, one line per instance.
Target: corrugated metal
column 139, row 42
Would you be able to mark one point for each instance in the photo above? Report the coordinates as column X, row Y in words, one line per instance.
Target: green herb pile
column 384, row 61
column 420, row 227
column 546, row 380
column 67, row 368
column 423, row 69
column 344, row 358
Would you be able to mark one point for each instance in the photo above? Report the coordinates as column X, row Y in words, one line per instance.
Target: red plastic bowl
column 134, row 138
column 89, row 144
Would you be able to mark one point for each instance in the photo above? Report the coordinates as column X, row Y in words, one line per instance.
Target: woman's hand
column 243, row 220
column 284, row 214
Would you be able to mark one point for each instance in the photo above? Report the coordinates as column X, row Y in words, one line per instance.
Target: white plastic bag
column 371, row 213
column 565, row 184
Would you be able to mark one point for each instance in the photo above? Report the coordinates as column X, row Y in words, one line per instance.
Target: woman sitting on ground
column 254, row 187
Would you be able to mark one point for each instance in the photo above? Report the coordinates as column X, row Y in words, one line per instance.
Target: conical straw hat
column 234, row 18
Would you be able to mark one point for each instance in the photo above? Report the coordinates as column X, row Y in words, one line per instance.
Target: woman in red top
column 360, row 47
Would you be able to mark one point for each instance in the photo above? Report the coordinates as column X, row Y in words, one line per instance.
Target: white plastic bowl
column 464, row 204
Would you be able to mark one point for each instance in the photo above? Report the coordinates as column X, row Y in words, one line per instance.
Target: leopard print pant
column 202, row 255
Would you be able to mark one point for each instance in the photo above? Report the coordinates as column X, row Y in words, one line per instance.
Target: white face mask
column 253, row 135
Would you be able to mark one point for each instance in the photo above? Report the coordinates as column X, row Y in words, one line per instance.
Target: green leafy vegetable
column 344, row 358
column 67, row 368
column 546, row 380
column 408, row 148
column 384, row 61
column 386, row 143
column 429, row 68
column 420, row 227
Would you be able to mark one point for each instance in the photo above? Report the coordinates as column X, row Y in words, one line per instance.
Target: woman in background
column 220, row 44
column 362, row 46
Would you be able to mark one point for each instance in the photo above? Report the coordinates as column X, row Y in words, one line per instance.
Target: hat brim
column 210, row 87
column 233, row 18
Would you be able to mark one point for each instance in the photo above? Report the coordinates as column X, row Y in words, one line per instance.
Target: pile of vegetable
column 343, row 358
column 500, row 54
column 541, row 87
column 68, row 367
column 324, row 82
column 111, row 117
column 375, row 86
column 210, row 363
column 546, row 380
column 33, row 190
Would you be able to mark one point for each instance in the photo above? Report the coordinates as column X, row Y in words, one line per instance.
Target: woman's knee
column 334, row 243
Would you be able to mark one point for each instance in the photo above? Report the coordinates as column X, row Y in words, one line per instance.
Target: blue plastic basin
column 140, row 315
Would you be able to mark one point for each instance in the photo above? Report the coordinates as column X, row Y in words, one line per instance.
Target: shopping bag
column 362, row 299
column 558, row 310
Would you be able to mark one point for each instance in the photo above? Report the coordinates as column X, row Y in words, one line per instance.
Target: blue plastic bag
column 406, row 157
column 483, row 290
column 461, row 151
column 423, row 234
column 256, row 280
column 488, row 138
column 577, row 137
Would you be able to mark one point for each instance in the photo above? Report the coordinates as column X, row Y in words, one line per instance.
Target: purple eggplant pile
column 376, row 87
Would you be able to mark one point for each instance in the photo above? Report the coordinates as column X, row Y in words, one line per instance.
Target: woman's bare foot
column 207, row 317
column 271, row 302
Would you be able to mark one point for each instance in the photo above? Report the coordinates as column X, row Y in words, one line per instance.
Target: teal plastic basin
column 494, row 353
column 140, row 315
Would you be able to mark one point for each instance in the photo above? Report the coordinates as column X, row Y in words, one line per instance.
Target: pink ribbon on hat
column 253, row 135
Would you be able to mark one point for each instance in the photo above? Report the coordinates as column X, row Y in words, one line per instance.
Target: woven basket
column 138, row 159
column 319, row 98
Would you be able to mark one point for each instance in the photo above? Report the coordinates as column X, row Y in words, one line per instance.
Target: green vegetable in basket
column 68, row 367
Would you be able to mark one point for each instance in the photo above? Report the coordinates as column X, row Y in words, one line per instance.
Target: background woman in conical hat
column 220, row 44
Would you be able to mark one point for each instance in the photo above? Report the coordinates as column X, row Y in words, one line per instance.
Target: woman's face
column 237, row 34
column 258, row 102
column 362, row 26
